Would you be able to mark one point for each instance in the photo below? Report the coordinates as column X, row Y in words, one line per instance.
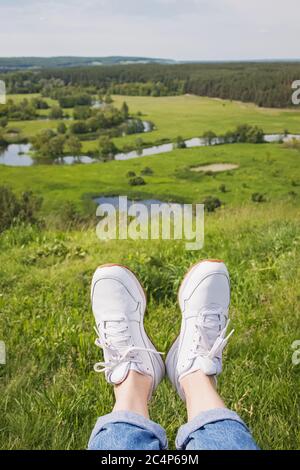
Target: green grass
column 30, row 128
column 269, row 168
column 188, row 116
column 191, row 116
column 50, row 395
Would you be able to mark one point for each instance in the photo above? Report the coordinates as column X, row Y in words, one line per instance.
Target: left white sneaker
column 204, row 298
column 119, row 304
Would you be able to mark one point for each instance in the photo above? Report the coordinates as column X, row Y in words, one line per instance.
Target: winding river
column 19, row 154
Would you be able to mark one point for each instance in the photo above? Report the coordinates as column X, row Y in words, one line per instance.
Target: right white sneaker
column 204, row 298
column 119, row 304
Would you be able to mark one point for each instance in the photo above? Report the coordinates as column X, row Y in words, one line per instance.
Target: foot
column 119, row 304
column 204, row 298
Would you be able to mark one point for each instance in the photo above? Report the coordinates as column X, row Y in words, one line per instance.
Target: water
column 18, row 155
column 114, row 201
column 11, row 155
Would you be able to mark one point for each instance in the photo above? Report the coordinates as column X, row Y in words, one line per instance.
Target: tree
column 3, row 141
column 108, row 99
column 56, row 112
column 107, row 148
column 61, row 128
column 79, row 127
column 56, row 146
column 73, row 146
column 139, row 146
column 180, row 143
column 125, row 110
column 209, row 137
column 3, row 122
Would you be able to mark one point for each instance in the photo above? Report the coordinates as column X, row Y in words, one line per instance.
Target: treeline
column 266, row 84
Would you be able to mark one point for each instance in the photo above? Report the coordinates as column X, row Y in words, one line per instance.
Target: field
column 50, row 395
column 268, row 168
column 187, row 116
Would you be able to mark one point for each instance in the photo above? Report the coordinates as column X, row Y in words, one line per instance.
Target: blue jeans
column 218, row 429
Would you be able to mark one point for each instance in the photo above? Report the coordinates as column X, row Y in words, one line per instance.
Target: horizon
column 114, row 56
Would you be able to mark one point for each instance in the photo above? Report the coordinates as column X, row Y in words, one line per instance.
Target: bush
column 14, row 210
column 212, row 203
column 61, row 128
column 137, row 181
column 69, row 217
column 3, row 141
column 56, row 113
column 147, row 171
column 180, row 143
column 107, row 148
column 209, row 137
column 130, row 174
column 223, row 188
column 258, row 197
column 245, row 134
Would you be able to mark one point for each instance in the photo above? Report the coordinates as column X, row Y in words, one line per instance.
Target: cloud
column 183, row 29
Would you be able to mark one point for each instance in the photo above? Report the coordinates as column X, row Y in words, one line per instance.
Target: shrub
column 223, row 188
column 13, row 209
column 258, row 197
column 212, row 203
column 209, row 137
column 3, row 141
column 107, row 148
column 147, row 171
column 61, row 128
column 56, row 112
column 3, row 122
column 180, row 143
column 137, row 181
column 130, row 174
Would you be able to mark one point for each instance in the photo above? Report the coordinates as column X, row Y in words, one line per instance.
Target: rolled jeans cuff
column 130, row 418
column 207, row 417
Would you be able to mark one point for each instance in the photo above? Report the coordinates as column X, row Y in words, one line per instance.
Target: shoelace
column 216, row 322
column 119, row 352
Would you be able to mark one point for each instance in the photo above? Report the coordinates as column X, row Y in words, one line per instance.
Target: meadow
column 270, row 169
column 187, row 116
column 51, row 396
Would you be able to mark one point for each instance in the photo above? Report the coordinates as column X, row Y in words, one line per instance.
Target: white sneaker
column 119, row 304
column 204, row 298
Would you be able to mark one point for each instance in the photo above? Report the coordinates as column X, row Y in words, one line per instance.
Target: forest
column 266, row 84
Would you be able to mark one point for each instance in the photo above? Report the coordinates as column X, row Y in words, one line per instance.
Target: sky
column 175, row 29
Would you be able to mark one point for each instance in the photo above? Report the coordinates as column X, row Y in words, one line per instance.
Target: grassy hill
column 50, row 395
column 269, row 169
column 187, row 115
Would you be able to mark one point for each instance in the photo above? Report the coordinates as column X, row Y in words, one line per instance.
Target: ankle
column 200, row 393
column 133, row 394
